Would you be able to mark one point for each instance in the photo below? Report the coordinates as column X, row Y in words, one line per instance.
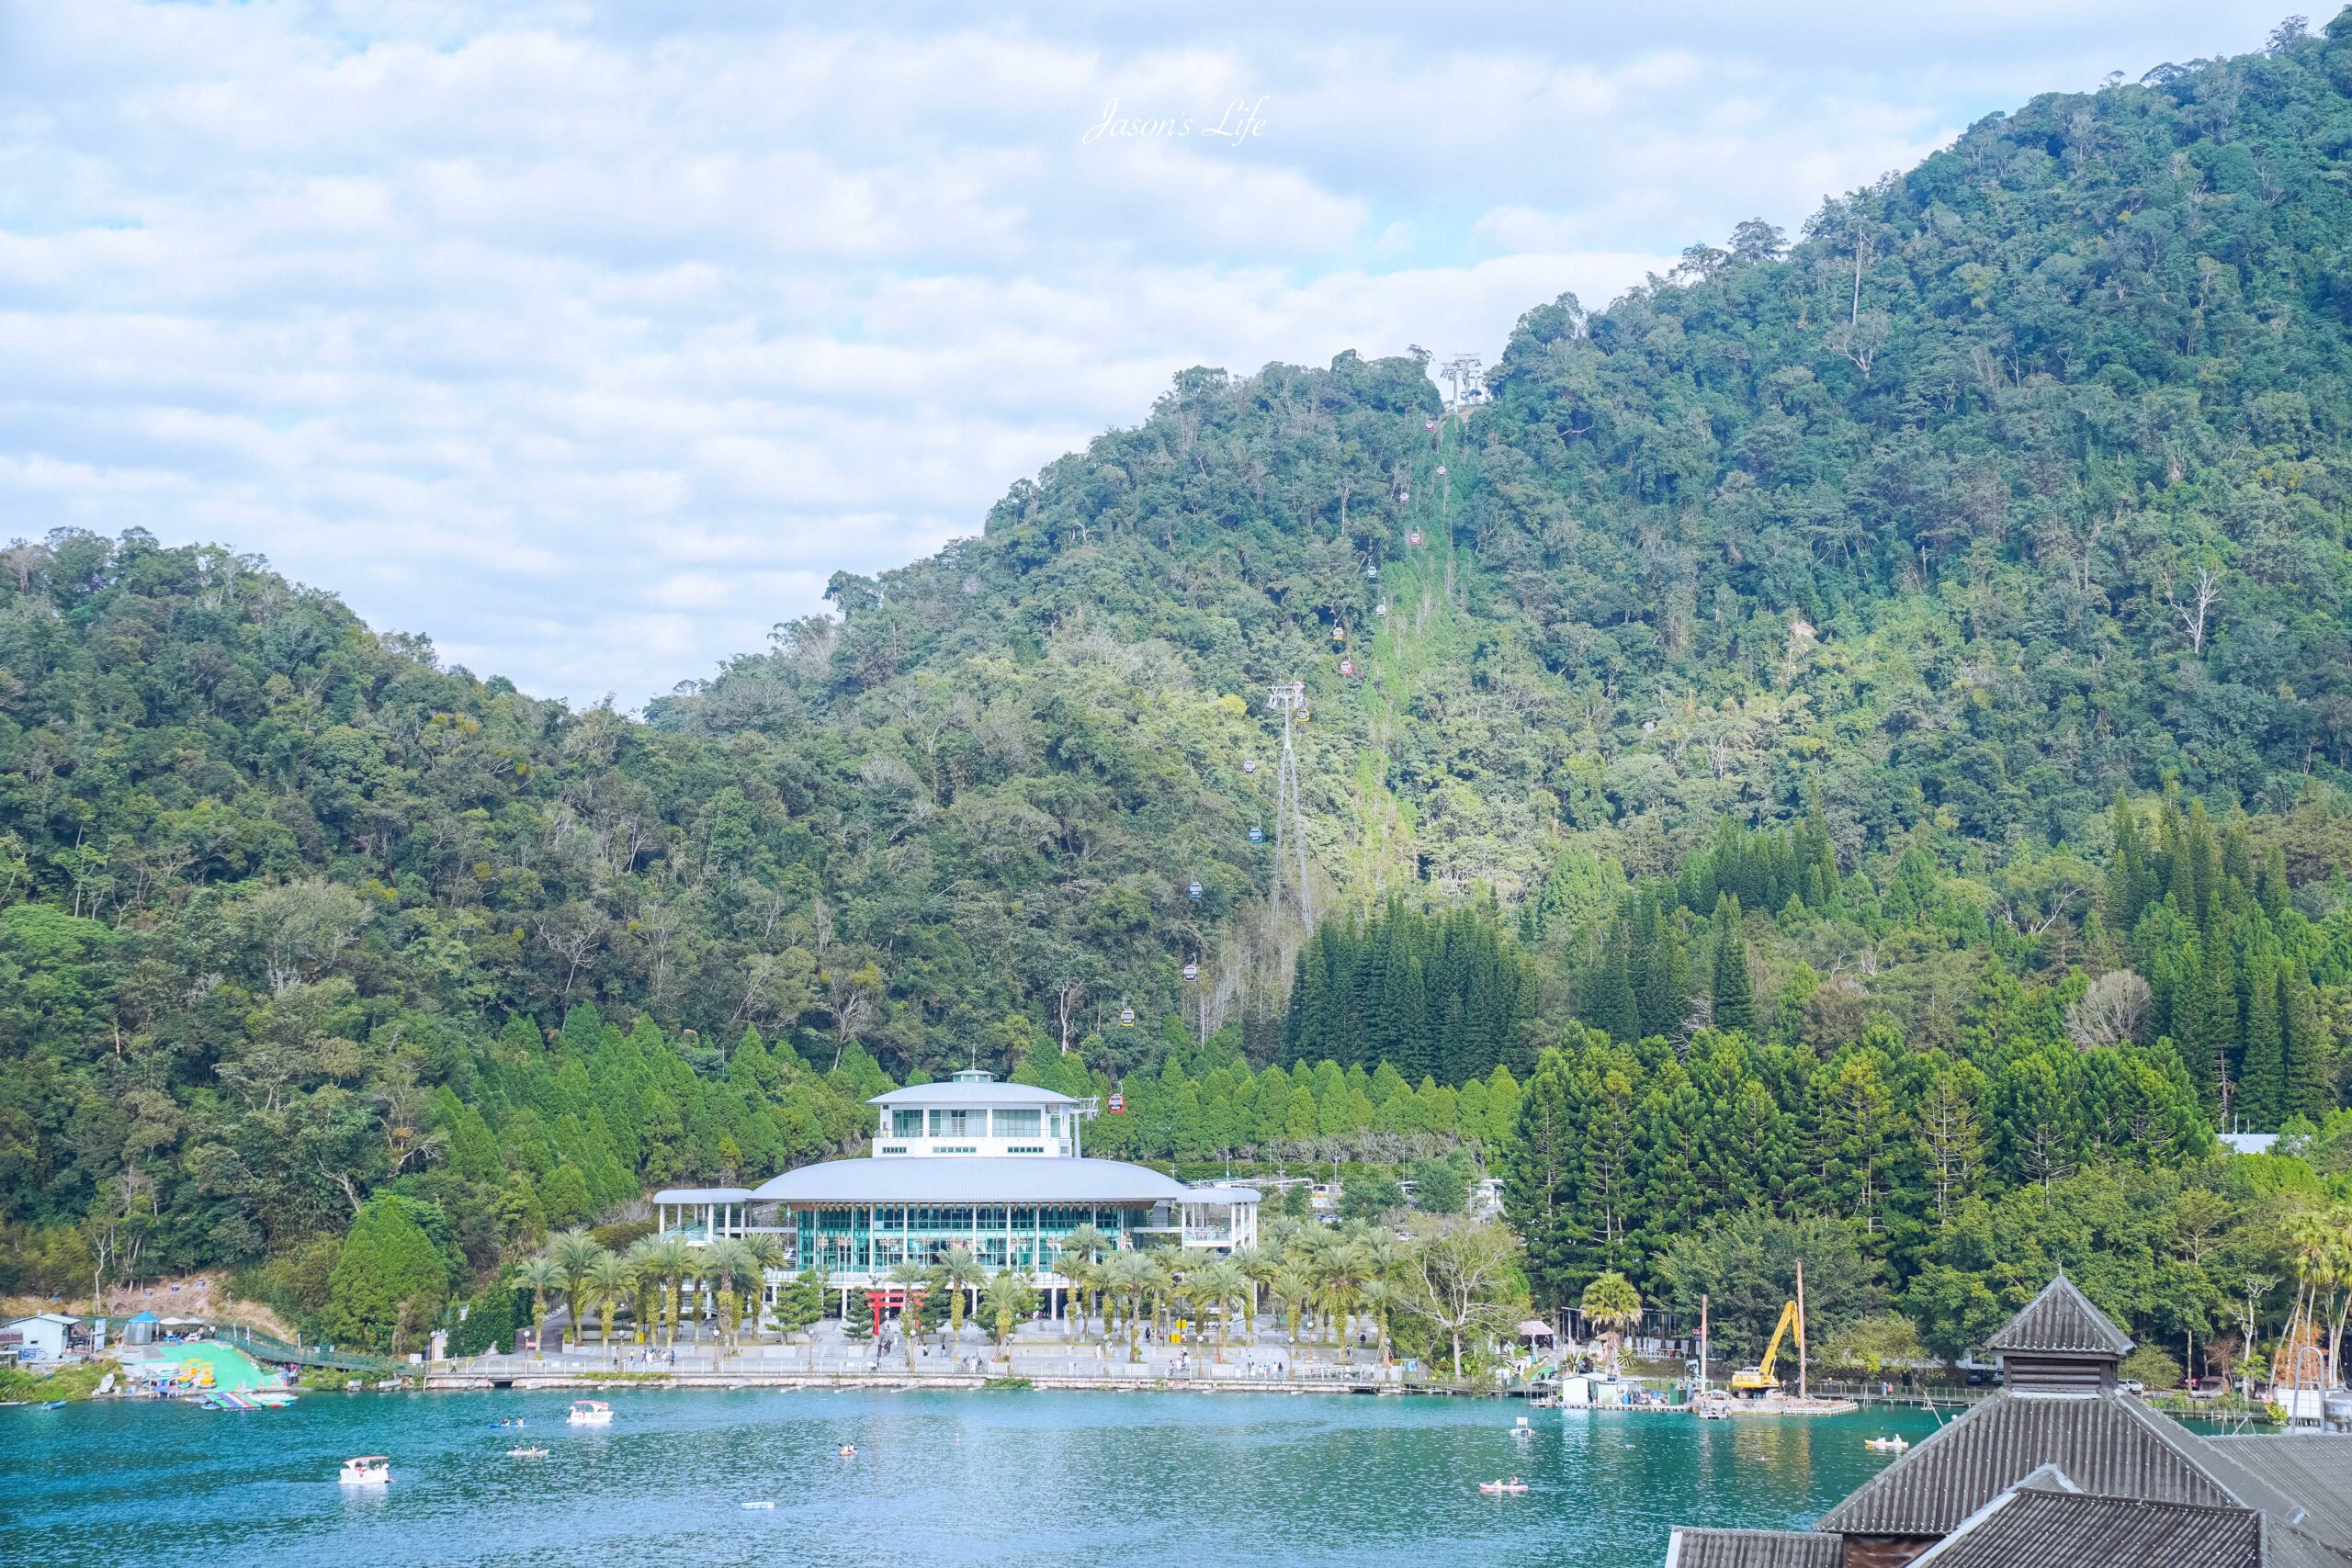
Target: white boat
column 762, row 1503
column 1887, row 1445
column 1523, row 1429
column 1502, row 1488
column 589, row 1412
column 367, row 1470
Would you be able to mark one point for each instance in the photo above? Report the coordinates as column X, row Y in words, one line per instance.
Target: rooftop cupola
column 2059, row 1343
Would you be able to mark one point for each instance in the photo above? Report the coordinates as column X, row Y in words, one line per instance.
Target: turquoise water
column 939, row 1478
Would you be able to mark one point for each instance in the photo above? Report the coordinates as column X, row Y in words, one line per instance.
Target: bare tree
column 2202, row 595
column 2112, row 1011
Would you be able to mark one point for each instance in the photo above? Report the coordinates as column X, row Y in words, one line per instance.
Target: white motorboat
column 589, row 1412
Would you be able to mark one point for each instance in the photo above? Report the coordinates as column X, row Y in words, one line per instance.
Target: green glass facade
column 873, row 1238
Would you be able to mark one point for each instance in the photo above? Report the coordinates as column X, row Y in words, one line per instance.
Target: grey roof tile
column 2061, row 1321
column 1753, row 1549
column 2032, row 1527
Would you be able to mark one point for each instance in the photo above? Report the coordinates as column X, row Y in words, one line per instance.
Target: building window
column 953, row 1124
column 1017, row 1124
column 1025, row 1149
column 906, row 1123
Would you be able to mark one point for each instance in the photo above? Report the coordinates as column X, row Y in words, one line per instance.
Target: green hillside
column 2016, row 487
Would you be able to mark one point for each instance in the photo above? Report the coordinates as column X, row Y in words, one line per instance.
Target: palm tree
column 1128, row 1275
column 1160, row 1283
column 1008, row 1297
column 672, row 1262
column 1082, row 1274
column 1084, row 1246
column 767, row 1257
column 1290, row 1286
column 910, row 1276
column 1378, row 1296
column 609, row 1279
column 1257, row 1265
column 1345, row 1269
column 573, row 1251
column 959, row 1271
column 645, row 1263
column 1612, row 1305
column 729, row 1264
column 1220, row 1287
column 542, row 1279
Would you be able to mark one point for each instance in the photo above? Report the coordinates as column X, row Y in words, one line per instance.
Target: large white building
column 997, row 1168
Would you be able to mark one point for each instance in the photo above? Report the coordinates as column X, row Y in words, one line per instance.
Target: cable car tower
column 1462, row 370
column 1290, row 815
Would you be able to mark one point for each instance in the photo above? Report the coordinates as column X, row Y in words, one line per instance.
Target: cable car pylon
column 1290, row 814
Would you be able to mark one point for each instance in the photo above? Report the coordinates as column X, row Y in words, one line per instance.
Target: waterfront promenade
column 1037, row 1352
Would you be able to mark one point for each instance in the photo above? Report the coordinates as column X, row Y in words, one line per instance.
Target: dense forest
column 1896, row 678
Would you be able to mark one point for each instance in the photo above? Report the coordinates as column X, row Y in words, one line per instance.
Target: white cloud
column 592, row 344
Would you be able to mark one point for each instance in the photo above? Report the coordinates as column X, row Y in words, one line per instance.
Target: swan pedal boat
column 367, row 1470
column 1887, row 1445
column 589, row 1412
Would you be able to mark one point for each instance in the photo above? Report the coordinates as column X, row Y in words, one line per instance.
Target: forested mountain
column 1816, row 604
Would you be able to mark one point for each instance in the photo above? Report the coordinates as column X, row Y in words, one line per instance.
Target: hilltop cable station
column 997, row 1168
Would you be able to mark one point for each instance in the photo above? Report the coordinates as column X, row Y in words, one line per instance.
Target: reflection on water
column 939, row 1478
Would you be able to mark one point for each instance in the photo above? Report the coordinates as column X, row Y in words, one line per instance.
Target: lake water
column 1068, row 1479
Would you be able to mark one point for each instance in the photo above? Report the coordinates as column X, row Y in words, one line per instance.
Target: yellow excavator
column 1759, row 1379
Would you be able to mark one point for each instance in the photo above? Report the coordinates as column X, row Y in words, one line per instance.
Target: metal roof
column 2061, row 1321
column 703, row 1195
column 1753, row 1549
column 2033, row 1528
column 2311, row 1472
column 949, row 1094
column 2105, row 1442
column 956, row 1178
column 1222, row 1194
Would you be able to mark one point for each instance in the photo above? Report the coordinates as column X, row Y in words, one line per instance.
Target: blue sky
column 590, row 339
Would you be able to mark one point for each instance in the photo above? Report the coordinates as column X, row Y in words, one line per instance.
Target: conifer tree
column 2262, row 1088
column 2303, row 1045
column 1735, row 1002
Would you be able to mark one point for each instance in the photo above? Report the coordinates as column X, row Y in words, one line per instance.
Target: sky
column 589, row 341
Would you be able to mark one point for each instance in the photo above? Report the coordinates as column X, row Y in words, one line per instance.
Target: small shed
column 45, row 1335
column 139, row 1329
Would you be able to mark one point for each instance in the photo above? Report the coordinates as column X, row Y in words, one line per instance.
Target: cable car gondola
column 1248, row 764
column 1257, row 835
column 1119, row 1103
column 1372, row 574
column 1414, row 538
column 1347, row 666
column 1126, row 1018
column 1429, row 424
column 1192, row 971
column 1441, row 470
column 1381, row 611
